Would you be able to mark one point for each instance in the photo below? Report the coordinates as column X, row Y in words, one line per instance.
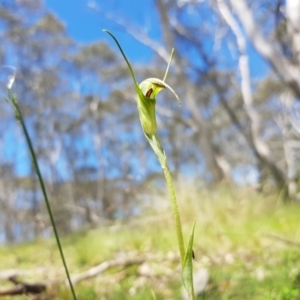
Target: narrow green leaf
column 127, row 61
column 187, row 270
column 13, row 100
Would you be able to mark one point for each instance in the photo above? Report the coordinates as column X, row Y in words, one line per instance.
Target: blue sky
column 84, row 23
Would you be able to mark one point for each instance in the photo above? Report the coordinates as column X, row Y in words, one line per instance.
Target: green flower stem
column 19, row 117
column 176, row 214
column 146, row 101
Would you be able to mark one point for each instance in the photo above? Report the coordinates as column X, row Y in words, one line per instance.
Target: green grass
column 232, row 240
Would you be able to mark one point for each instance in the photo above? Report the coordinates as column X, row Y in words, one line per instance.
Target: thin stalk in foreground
column 12, row 99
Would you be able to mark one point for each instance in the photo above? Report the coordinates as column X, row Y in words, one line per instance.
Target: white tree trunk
column 293, row 17
column 288, row 71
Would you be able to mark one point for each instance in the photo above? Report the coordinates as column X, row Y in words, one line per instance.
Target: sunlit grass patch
column 241, row 238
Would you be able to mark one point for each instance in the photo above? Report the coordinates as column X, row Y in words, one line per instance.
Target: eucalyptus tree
column 82, row 127
column 237, row 124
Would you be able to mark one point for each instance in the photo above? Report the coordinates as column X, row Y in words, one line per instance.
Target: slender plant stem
column 175, row 211
column 37, row 170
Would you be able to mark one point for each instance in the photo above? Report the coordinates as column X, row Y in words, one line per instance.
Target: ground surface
column 249, row 243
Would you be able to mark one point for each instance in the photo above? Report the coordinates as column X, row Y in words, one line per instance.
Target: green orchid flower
column 147, row 91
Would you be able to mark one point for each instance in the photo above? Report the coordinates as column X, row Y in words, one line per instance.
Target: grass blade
column 13, row 100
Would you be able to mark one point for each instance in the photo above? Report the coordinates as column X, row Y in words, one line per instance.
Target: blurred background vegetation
column 233, row 145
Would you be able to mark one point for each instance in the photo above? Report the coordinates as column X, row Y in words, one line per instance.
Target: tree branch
column 289, row 72
column 21, row 288
column 137, row 34
column 261, row 147
column 293, row 17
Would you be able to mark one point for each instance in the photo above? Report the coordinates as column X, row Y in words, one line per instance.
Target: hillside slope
column 249, row 244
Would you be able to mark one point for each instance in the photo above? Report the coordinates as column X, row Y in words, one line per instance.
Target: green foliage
column 233, row 240
column 187, row 269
